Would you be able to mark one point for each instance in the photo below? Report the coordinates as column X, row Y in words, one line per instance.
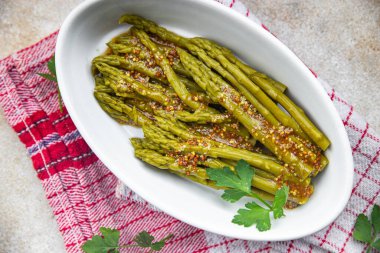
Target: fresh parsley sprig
column 52, row 76
column 367, row 230
column 109, row 242
column 239, row 185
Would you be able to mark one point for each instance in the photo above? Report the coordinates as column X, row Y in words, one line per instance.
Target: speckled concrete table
column 340, row 40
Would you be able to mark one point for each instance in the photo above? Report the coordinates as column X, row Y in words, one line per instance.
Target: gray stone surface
column 340, row 40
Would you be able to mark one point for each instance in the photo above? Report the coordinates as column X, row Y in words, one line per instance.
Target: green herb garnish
column 109, row 242
column 52, row 76
column 366, row 231
column 239, row 184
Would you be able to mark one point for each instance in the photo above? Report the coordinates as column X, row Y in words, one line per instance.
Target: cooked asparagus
column 200, row 106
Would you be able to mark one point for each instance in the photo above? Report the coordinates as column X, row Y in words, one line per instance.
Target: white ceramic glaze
column 94, row 22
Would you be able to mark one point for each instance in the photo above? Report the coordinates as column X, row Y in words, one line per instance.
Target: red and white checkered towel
column 81, row 190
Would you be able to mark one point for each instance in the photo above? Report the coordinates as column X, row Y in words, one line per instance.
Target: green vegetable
column 239, row 185
column 233, row 195
column 165, row 162
column 52, row 76
column 207, row 147
column 305, row 123
column 367, row 231
column 279, row 202
column 201, row 117
column 375, row 219
column 363, row 229
column 239, row 181
column 145, row 240
column 123, row 85
column 173, row 79
column 216, row 87
column 202, row 108
column 125, row 63
column 254, row 214
column 143, row 54
column 233, row 70
column 124, row 49
column 118, row 116
column 249, row 71
column 118, row 105
column 109, row 242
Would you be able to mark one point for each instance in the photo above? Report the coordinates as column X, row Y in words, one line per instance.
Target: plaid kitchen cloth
column 81, row 190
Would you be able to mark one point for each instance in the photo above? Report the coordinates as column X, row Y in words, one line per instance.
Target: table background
column 340, row 40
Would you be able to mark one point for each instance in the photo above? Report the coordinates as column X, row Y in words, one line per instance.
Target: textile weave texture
column 81, row 190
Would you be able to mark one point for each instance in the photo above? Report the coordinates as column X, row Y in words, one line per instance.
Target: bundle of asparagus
column 199, row 106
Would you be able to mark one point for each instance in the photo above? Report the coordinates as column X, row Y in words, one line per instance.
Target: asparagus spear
column 244, row 67
column 173, row 79
column 153, row 72
column 118, row 116
column 139, row 66
column 121, row 107
column 211, row 63
column 250, row 72
column 98, row 80
column 123, row 84
column 201, row 117
column 215, row 86
column 123, row 49
column 306, row 125
column 118, row 105
column 242, row 79
column 138, row 117
column 101, row 86
column 164, row 162
column 150, row 132
column 168, row 123
column 263, row 110
column 235, row 78
column 141, row 53
column 153, row 28
column 208, row 162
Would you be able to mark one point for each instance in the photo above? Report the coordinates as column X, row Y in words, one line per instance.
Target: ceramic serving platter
column 94, row 22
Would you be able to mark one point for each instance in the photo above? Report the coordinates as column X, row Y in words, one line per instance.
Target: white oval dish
column 83, row 36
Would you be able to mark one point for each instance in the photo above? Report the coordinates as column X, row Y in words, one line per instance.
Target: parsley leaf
column 375, row 219
column 109, row 242
column 226, row 178
column 144, row 239
column 233, row 195
column 103, row 244
column 376, row 244
column 254, row 214
column 160, row 244
column 111, row 236
column 95, row 245
column 366, row 230
column 362, row 230
column 52, row 76
column 239, row 183
column 48, row 76
column 51, row 66
column 280, row 201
